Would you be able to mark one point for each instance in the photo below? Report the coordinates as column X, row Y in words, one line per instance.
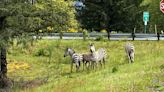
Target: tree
column 19, row 17
column 118, row 15
column 156, row 16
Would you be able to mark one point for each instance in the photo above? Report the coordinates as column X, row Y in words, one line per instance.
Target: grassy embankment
column 34, row 71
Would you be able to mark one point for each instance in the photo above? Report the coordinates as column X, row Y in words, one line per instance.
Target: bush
column 113, row 32
column 42, row 52
column 72, row 30
column 85, row 34
column 99, row 38
column 103, row 31
column 114, row 69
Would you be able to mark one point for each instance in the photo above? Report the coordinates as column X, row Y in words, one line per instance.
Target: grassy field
column 42, row 68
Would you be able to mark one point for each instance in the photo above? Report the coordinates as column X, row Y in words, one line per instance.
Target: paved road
column 125, row 36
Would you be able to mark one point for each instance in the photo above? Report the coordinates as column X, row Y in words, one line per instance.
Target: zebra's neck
column 94, row 53
column 71, row 53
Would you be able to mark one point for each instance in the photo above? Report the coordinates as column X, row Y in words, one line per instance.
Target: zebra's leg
column 129, row 57
column 100, row 63
column 96, row 64
column 92, row 64
column 84, row 64
column 104, row 62
column 87, row 66
column 132, row 57
column 71, row 66
column 77, row 66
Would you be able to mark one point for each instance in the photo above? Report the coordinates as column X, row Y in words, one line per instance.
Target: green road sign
column 145, row 19
column 145, row 16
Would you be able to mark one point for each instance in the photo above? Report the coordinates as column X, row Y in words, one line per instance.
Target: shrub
column 42, row 52
column 99, row 38
column 72, row 30
column 114, row 69
column 103, row 31
column 50, row 29
column 113, row 32
column 85, row 34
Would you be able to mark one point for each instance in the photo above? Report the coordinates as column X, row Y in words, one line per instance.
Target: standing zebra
column 76, row 58
column 99, row 55
column 88, row 59
column 129, row 49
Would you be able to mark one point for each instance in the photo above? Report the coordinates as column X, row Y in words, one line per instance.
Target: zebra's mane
column 72, row 50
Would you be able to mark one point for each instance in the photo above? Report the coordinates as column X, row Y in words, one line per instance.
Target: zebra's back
column 77, row 57
column 130, row 50
column 129, row 47
column 101, row 53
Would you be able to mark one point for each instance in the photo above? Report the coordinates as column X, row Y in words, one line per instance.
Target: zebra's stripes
column 76, row 58
column 130, row 51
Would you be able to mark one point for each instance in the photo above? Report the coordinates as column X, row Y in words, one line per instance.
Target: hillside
column 42, row 68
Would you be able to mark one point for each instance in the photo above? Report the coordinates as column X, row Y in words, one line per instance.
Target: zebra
column 76, row 58
column 99, row 55
column 130, row 51
column 88, row 58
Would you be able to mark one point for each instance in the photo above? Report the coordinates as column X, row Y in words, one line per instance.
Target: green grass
column 144, row 75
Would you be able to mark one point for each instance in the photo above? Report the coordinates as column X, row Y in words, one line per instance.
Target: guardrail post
column 84, row 35
column 108, row 34
column 158, row 36
column 133, row 36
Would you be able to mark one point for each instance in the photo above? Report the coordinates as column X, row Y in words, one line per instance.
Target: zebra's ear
column 91, row 44
column 66, row 48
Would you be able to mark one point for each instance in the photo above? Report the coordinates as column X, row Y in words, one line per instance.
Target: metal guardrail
column 104, row 34
column 112, row 36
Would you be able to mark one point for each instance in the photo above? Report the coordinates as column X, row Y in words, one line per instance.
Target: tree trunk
column 5, row 83
column 3, row 61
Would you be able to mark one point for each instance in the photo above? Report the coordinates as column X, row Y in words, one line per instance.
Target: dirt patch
column 32, row 83
column 5, row 83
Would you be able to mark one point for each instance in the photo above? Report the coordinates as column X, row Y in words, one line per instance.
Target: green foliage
column 114, row 69
column 100, row 38
column 43, row 52
column 103, row 31
column 119, row 15
column 19, row 17
column 156, row 16
column 162, row 66
column 85, row 34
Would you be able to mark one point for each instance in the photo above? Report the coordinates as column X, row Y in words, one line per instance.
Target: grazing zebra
column 99, row 55
column 88, row 58
column 129, row 49
column 76, row 58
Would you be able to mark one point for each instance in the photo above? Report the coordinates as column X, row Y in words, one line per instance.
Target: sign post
column 162, row 6
column 145, row 19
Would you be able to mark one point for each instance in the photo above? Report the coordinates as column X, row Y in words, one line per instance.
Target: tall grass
column 144, row 75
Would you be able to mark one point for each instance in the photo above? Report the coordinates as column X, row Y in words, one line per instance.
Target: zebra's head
column 92, row 47
column 68, row 51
